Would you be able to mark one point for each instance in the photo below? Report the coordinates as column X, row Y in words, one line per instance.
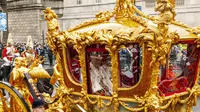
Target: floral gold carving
column 157, row 38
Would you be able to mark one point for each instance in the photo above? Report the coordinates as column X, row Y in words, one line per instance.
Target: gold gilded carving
column 196, row 31
column 150, row 101
column 3, row 104
column 56, row 42
column 100, row 18
column 14, row 104
column 17, row 78
column 163, row 38
column 166, row 9
column 153, row 18
column 158, row 40
column 123, row 8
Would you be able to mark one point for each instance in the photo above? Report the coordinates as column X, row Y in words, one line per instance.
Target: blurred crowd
column 41, row 49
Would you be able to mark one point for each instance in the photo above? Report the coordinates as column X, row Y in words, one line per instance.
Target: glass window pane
column 129, row 65
column 99, row 70
column 74, row 65
column 180, row 71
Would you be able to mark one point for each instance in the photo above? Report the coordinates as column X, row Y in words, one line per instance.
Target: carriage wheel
column 14, row 102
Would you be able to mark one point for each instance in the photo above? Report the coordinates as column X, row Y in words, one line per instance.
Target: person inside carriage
column 9, row 53
column 100, row 75
column 180, row 75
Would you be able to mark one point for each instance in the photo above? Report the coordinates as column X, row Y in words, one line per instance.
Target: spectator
column 9, row 53
column 38, row 106
column 50, row 55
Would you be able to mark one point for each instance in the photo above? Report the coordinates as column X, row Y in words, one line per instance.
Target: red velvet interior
column 180, row 84
column 135, row 66
column 73, row 63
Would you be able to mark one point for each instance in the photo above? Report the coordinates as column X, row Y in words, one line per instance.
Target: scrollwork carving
column 158, row 39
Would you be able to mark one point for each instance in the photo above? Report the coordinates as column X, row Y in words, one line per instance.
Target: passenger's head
column 130, row 46
column 38, row 105
column 96, row 60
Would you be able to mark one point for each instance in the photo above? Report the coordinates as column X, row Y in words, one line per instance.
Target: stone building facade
column 3, row 8
column 188, row 11
column 76, row 11
column 26, row 16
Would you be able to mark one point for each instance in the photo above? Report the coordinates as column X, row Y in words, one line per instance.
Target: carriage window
column 180, row 71
column 73, row 64
column 99, row 70
column 130, row 58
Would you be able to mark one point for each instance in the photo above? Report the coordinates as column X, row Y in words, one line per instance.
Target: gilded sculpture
column 156, row 41
column 17, row 79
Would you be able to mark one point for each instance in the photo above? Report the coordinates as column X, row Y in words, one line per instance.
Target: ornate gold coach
column 125, row 60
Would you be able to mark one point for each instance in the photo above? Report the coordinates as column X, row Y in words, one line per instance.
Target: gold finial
column 173, row 2
column 166, row 9
column 123, row 7
column 49, row 14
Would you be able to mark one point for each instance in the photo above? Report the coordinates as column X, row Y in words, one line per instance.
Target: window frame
column 138, row 63
column 98, row 1
column 168, row 64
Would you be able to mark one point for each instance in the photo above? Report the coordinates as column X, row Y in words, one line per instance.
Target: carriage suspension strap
column 32, row 87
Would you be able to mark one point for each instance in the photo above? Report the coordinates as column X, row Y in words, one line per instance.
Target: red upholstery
column 31, row 99
column 126, row 80
column 75, row 65
column 176, row 85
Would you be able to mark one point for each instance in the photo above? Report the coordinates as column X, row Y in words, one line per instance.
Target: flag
column 3, row 22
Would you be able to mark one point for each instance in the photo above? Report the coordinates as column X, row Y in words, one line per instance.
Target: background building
column 26, row 16
column 3, row 9
column 188, row 11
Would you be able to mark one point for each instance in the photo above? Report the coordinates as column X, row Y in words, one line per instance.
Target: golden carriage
column 135, row 62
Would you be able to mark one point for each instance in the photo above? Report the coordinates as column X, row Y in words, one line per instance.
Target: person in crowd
column 41, row 50
column 50, row 56
column 170, row 74
column 9, row 53
column 20, row 47
column 38, row 106
column 1, row 49
column 29, row 53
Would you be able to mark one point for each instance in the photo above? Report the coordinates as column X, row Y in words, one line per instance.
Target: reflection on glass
column 100, row 73
column 180, row 72
column 74, row 65
column 129, row 65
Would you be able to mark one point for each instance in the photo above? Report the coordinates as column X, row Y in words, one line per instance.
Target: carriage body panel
column 127, row 63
